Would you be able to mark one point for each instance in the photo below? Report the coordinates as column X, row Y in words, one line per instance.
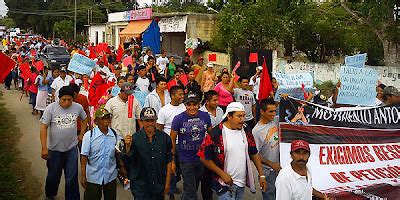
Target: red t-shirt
column 32, row 87
column 82, row 99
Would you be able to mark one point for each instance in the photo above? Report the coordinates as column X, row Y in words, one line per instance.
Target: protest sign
column 354, row 152
column 357, row 86
column 6, row 65
column 356, row 60
column 81, row 64
column 293, row 84
column 140, row 96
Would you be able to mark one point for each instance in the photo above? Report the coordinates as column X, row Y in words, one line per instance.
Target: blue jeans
column 56, row 162
column 233, row 193
column 192, row 173
column 271, row 190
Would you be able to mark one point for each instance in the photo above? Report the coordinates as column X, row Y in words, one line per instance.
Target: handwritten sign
column 357, row 86
column 292, row 84
column 140, row 96
column 81, row 64
column 173, row 24
column 356, row 60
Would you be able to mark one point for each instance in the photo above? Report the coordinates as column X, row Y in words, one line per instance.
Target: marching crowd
column 195, row 125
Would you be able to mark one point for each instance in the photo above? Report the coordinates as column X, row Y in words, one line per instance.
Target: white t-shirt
column 291, row 185
column 245, row 97
column 143, row 84
column 235, row 152
column 162, row 64
column 58, row 83
column 167, row 114
column 256, row 85
column 214, row 120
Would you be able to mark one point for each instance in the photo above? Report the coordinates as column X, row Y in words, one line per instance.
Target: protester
column 149, row 158
column 227, row 151
column 118, row 107
column 143, row 82
column 164, row 122
column 190, row 127
column 59, row 82
column 171, row 68
column 83, row 101
column 159, row 97
column 61, row 152
column 225, row 91
column 379, row 94
column 193, row 85
column 162, row 62
column 99, row 159
column 244, row 95
column 391, row 96
column 266, row 134
column 294, row 181
column 149, row 53
column 198, row 69
column 33, row 89
column 210, row 105
column 208, row 78
column 176, row 81
column 42, row 92
column 186, row 63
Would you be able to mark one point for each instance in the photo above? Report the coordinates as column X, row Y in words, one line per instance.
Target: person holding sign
column 119, row 109
column 294, row 181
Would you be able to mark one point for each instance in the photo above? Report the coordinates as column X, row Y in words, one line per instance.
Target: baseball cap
column 128, row 88
column 191, row 97
column 299, row 144
column 210, row 65
column 101, row 112
column 232, row 107
column 260, row 67
column 148, row 113
column 390, row 90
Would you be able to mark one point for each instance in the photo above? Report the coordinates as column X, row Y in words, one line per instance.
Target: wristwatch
column 262, row 176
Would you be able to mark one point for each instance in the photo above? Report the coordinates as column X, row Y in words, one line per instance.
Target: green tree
column 379, row 17
column 64, row 29
column 8, row 22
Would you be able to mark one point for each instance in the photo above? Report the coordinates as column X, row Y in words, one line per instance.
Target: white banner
column 173, row 24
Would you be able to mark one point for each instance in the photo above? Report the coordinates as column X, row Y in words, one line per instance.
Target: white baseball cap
column 210, row 65
column 260, row 67
column 233, row 107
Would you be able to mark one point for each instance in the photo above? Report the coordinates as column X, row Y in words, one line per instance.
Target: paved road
column 30, row 146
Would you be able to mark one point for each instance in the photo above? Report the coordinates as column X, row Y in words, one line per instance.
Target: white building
column 97, row 33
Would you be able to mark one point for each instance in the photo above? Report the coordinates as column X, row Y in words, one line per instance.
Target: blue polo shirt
column 100, row 150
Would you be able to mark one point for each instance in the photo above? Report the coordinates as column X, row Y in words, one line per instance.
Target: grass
column 16, row 181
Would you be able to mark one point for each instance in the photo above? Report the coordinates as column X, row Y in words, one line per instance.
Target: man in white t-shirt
column 164, row 123
column 255, row 81
column 245, row 96
column 142, row 83
column 227, row 151
column 162, row 62
column 63, row 80
column 294, row 181
column 265, row 135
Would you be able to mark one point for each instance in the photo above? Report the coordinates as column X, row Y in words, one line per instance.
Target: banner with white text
column 355, row 152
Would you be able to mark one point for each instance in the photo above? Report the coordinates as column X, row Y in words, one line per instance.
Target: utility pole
column 75, row 24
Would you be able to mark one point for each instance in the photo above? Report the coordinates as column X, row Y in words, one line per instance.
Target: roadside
column 16, row 182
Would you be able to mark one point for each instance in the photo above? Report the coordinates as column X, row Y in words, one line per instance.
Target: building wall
column 201, row 26
column 98, row 30
column 323, row 72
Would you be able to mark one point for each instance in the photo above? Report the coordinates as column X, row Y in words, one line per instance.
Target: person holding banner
column 227, row 151
column 266, row 134
column 119, row 108
column 294, row 181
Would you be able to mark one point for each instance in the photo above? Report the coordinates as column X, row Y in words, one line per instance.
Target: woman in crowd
column 225, row 90
column 208, row 79
column 42, row 91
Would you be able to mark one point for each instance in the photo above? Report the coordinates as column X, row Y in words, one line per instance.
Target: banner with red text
column 355, row 152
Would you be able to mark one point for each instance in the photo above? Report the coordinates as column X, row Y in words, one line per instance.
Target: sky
column 3, row 8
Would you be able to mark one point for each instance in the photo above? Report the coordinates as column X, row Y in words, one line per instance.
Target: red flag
column 39, row 65
column 236, row 77
column 82, row 52
column 265, row 83
column 25, row 70
column 33, row 52
column 190, row 51
column 86, row 83
column 120, row 53
column 212, row 57
column 171, row 83
column 92, row 54
column 20, row 58
column 130, row 105
column 6, row 65
column 304, row 91
column 253, row 58
column 184, row 79
column 98, row 87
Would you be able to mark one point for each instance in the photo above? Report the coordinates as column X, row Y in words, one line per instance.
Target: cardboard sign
column 358, row 86
column 81, row 64
column 356, row 60
column 293, row 84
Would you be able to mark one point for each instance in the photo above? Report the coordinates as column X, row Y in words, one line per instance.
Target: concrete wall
column 201, row 26
column 99, row 30
column 324, row 72
column 223, row 60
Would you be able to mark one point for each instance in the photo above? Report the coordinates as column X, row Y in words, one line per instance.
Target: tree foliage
column 8, row 22
column 64, row 29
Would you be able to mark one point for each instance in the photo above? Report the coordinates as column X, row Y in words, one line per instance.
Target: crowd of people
column 195, row 125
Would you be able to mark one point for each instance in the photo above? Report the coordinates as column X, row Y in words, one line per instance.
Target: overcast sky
column 3, row 8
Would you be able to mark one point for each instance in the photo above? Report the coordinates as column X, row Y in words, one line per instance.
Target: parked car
column 53, row 56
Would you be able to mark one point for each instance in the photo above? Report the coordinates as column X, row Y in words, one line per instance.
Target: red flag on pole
column 253, row 58
column 212, row 57
column 265, row 83
column 25, row 70
column 39, row 65
column 130, row 106
column 6, row 65
column 120, row 53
